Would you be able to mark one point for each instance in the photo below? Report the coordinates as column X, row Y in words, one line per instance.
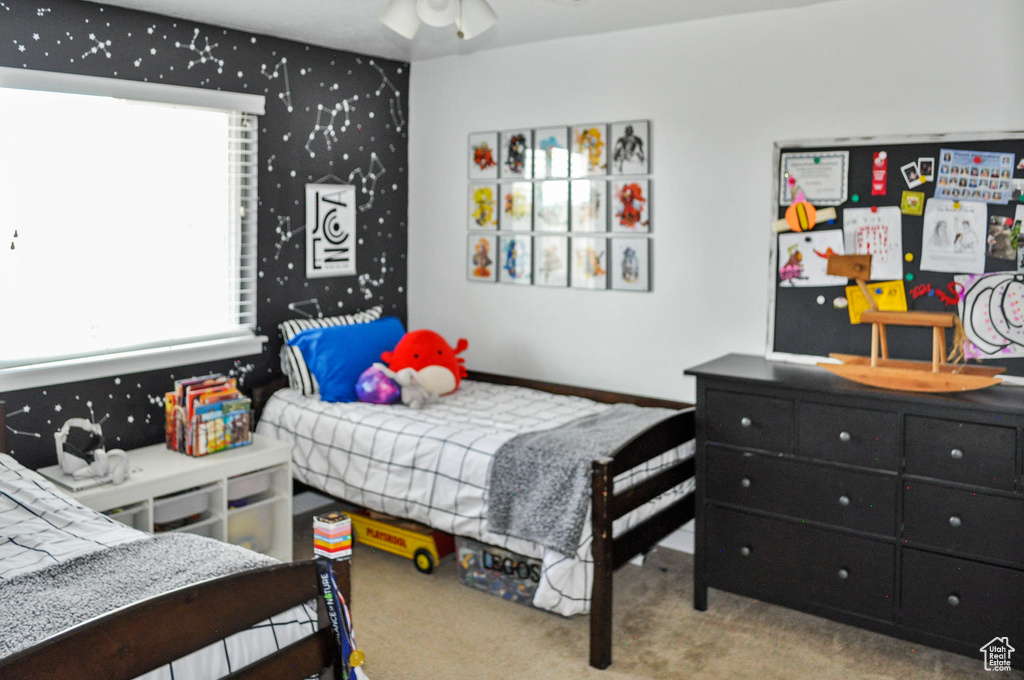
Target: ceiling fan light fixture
column 437, row 12
column 401, row 17
column 475, row 18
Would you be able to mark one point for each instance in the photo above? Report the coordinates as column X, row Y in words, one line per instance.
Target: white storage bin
column 199, row 529
column 173, row 508
column 252, row 484
column 132, row 515
column 252, row 528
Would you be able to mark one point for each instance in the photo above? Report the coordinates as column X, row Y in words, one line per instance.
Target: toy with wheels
column 424, row 546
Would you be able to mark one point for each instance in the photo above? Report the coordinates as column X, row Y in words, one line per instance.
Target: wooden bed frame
column 145, row 636
column 607, row 506
column 142, row 637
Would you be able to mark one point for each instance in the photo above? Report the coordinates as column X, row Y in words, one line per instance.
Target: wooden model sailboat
column 879, row 370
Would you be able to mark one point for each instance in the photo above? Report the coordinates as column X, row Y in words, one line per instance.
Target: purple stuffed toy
column 375, row 387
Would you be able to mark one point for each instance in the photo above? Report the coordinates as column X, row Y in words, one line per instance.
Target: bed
column 52, row 548
column 432, row 466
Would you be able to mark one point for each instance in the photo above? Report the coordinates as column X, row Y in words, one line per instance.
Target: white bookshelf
column 164, row 488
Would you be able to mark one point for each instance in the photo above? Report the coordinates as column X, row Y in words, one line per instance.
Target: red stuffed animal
column 425, row 366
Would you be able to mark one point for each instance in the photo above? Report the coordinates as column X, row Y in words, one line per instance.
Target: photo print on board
column 589, row 262
column 516, row 257
column 483, row 250
column 630, row 148
column 483, row 155
column 551, row 152
column 589, row 150
column 483, row 206
column 515, row 159
column 551, row 257
column 516, row 206
column 630, row 261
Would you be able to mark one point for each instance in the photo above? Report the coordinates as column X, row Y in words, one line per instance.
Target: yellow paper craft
column 890, row 296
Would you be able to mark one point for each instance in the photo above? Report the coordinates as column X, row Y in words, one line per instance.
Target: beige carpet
column 415, row 626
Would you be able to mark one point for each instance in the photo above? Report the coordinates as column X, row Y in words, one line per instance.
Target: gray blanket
column 540, row 481
column 39, row 604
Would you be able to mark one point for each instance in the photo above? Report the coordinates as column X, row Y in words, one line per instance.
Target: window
column 130, row 210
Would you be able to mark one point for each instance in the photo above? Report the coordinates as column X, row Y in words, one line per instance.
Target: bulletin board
column 941, row 216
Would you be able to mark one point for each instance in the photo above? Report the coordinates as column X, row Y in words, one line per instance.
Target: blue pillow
column 338, row 355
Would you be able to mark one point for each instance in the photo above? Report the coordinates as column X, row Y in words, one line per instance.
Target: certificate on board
column 822, row 176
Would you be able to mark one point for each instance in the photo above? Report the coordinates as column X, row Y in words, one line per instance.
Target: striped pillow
column 294, row 365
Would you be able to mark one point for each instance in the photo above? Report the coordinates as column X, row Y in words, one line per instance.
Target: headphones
column 89, row 459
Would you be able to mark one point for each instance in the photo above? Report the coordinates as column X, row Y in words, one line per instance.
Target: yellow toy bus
column 424, row 546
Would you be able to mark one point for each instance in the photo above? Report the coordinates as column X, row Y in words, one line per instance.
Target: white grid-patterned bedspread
column 432, row 465
column 41, row 526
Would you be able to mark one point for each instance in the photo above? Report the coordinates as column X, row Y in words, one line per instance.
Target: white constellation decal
column 100, row 46
column 396, row 101
column 365, row 282
column 294, row 307
column 285, row 96
column 40, row 11
column 205, row 54
column 23, row 409
column 375, row 171
column 328, row 127
column 284, row 234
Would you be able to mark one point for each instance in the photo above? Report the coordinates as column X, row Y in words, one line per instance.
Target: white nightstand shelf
column 176, row 492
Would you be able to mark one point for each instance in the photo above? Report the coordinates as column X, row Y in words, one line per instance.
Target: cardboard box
column 497, row 571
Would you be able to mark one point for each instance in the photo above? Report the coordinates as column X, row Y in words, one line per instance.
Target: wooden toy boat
column 879, row 370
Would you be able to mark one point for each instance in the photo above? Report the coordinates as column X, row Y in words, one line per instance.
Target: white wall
column 719, row 93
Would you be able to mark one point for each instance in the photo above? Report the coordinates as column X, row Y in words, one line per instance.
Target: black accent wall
column 300, row 82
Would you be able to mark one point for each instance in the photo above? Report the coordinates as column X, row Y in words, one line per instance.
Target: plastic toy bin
column 251, row 487
column 252, row 528
column 172, row 512
column 497, row 571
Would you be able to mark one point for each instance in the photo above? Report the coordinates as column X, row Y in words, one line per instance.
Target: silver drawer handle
column 746, row 422
column 955, row 522
column 957, row 454
column 844, row 436
column 953, row 600
column 745, row 482
column 844, row 574
column 844, row 501
column 745, row 551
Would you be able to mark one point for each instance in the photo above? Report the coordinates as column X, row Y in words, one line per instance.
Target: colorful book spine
column 332, row 536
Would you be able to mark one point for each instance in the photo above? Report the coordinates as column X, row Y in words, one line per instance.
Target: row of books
column 207, row 414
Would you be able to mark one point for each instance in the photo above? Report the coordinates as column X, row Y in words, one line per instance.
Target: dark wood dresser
column 898, row 512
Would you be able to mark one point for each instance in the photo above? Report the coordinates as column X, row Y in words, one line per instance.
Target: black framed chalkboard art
column 941, row 217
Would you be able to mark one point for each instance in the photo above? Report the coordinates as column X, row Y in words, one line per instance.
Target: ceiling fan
column 471, row 17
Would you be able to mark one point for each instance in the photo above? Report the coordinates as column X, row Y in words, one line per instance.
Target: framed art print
column 551, row 152
column 551, row 261
column 631, row 205
column 516, row 258
column 630, row 152
column 589, row 209
column 331, row 232
column 589, row 260
column 483, row 155
column 630, row 263
column 483, row 250
column 551, row 205
column 516, row 206
column 589, row 150
column 483, row 206
column 515, row 160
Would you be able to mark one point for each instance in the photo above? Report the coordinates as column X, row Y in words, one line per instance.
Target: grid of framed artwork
column 562, row 206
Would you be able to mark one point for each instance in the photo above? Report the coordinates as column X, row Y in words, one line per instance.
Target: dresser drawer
column 749, row 421
column 970, row 453
column 849, row 435
column 791, row 563
column 960, row 599
column 963, row 521
column 845, row 498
